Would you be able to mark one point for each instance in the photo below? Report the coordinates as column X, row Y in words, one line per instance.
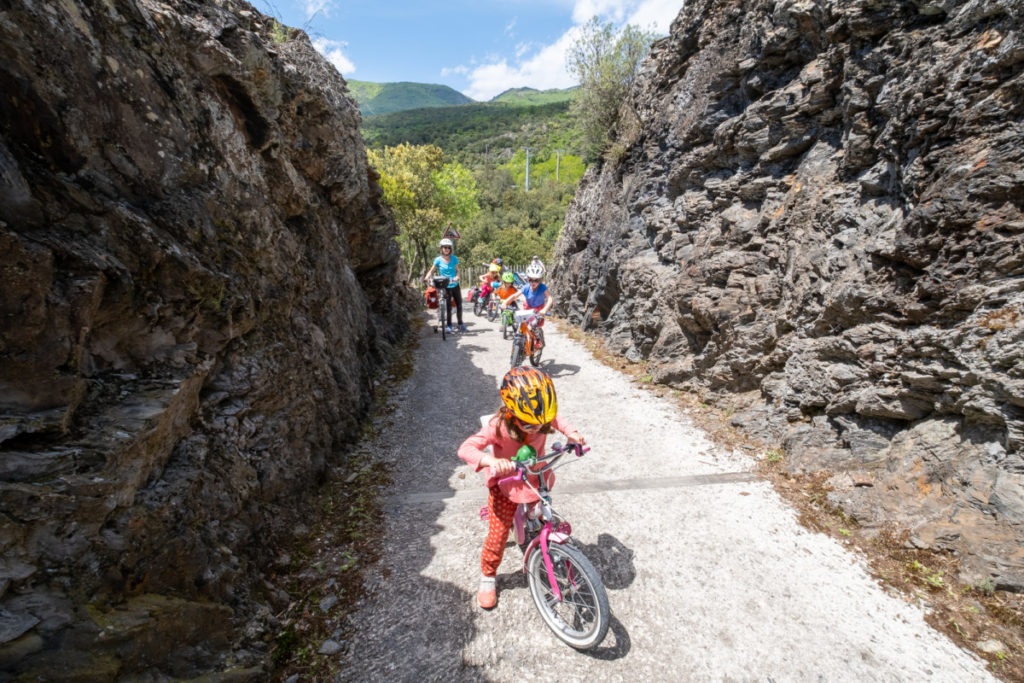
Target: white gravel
column 709, row 576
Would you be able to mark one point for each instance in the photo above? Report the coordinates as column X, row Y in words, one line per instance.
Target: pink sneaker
column 487, row 596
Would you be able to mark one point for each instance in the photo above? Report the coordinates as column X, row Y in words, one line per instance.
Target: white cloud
column 450, row 71
column 332, row 50
column 544, row 70
column 609, row 10
column 656, row 14
column 314, row 7
column 546, row 67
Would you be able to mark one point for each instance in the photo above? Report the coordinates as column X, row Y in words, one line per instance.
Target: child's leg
column 500, row 521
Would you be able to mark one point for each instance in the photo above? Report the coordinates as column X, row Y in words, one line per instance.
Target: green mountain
column 482, row 129
column 384, row 98
column 527, row 96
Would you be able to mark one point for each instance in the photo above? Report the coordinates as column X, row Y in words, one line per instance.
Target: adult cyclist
column 447, row 265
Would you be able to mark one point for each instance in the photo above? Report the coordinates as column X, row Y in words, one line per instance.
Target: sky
column 479, row 47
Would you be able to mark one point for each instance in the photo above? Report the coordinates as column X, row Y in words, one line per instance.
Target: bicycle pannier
column 430, row 297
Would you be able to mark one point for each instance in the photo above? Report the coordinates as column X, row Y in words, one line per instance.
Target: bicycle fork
column 548, row 534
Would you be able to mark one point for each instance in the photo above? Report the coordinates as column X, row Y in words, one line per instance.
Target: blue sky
column 478, row 47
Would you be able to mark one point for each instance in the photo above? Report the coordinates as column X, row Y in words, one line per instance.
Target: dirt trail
column 709, row 575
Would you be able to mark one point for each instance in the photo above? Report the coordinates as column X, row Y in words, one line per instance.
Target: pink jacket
column 504, row 446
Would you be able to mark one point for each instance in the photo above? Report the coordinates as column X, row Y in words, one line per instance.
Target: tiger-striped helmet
column 530, row 394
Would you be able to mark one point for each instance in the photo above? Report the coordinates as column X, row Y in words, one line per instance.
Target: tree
column 605, row 61
column 425, row 194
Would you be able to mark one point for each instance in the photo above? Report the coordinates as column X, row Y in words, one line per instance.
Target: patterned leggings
column 500, row 521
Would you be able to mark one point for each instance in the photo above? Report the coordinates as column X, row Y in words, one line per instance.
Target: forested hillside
column 472, row 131
column 475, row 156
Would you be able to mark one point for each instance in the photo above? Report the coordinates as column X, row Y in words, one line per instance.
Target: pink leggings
column 499, row 522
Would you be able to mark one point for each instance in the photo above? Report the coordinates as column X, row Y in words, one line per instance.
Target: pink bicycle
column 564, row 585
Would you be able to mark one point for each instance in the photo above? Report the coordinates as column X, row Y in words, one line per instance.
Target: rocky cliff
column 813, row 211
column 199, row 282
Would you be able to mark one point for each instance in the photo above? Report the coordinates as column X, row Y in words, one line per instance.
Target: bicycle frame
column 549, row 532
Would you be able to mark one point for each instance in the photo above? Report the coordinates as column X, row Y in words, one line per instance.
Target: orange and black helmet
column 530, row 394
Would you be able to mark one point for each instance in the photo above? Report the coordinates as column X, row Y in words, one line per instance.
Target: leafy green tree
column 606, row 62
column 425, row 194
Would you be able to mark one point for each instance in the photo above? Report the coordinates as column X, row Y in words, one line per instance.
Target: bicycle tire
column 441, row 313
column 492, row 312
column 477, row 307
column 582, row 617
column 517, row 351
column 535, row 357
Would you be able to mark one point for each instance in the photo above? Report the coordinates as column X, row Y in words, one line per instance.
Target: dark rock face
column 198, row 282
column 820, row 203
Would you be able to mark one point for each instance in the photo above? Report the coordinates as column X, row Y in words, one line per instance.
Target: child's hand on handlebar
column 499, row 466
column 576, row 437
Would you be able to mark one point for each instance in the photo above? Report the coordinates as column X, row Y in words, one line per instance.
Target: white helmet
column 535, row 271
column 446, row 243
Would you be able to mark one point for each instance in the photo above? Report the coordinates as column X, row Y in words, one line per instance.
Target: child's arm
column 567, row 428
column 472, row 451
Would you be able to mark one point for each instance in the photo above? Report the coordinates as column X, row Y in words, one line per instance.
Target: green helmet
column 508, row 277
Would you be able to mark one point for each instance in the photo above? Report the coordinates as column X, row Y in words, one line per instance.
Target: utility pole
column 527, row 168
column 558, row 159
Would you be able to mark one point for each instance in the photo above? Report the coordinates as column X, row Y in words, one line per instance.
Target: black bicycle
column 441, row 285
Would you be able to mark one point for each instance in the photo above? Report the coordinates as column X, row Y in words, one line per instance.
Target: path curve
column 709, row 575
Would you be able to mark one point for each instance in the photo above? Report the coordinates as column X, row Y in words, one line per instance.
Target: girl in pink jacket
column 528, row 415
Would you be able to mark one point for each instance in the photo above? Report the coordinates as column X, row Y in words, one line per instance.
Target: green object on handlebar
column 526, row 454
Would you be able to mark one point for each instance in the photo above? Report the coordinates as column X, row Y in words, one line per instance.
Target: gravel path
column 709, row 576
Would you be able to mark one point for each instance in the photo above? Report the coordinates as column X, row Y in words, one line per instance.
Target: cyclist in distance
column 529, row 412
column 536, row 295
column 447, row 265
column 489, row 281
column 507, row 289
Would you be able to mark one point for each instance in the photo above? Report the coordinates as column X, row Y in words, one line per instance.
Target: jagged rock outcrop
column 820, row 204
column 199, row 282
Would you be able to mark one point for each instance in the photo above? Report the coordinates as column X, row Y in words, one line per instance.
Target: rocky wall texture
column 818, row 205
column 198, row 282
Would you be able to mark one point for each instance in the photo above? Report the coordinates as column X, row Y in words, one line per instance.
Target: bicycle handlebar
column 557, row 451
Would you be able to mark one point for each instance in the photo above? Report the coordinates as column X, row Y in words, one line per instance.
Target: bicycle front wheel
column 582, row 617
column 537, row 342
column 517, row 351
column 441, row 316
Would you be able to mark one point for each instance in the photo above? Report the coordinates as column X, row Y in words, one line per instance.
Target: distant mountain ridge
column 375, row 99
column 385, row 98
column 529, row 96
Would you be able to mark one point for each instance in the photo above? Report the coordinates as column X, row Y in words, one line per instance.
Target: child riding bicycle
column 527, row 416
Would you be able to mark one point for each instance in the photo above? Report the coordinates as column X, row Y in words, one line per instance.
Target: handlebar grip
column 518, row 476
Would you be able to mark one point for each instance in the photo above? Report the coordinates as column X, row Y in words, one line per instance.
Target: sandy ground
column 709, row 576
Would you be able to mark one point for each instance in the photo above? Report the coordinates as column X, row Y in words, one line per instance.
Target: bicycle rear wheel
column 582, row 617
